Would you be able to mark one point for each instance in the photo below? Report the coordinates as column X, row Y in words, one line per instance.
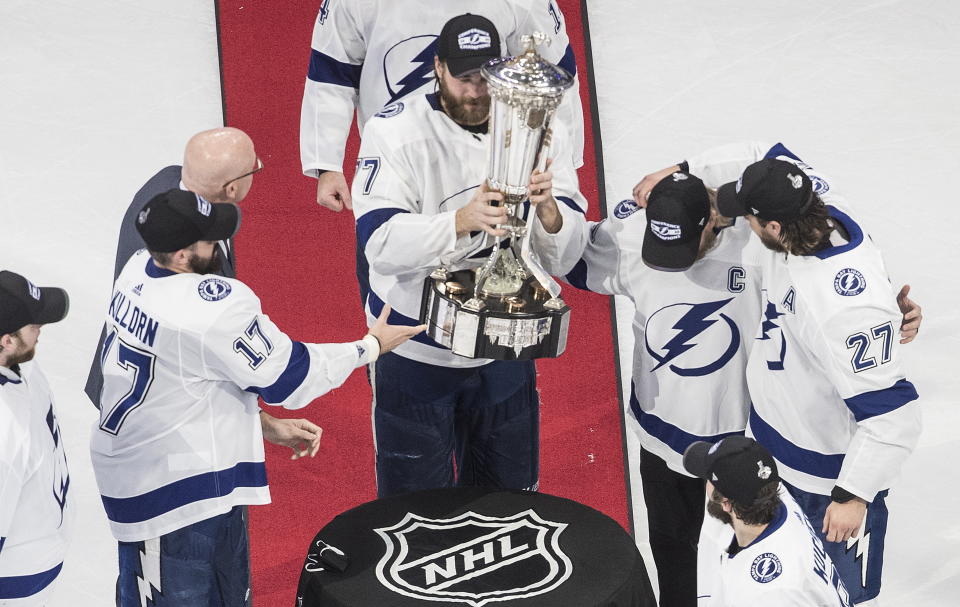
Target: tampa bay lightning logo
column 214, row 289
column 766, row 568
column 408, row 66
column 625, row 208
column 685, row 337
column 849, row 282
column 390, row 111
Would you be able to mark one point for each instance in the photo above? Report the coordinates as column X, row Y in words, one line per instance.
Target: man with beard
column 35, row 511
column 774, row 558
column 178, row 449
column 421, row 201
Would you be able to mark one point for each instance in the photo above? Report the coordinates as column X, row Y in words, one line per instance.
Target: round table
column 473, row 546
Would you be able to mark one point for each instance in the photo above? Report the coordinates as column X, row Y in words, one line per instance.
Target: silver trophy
column 508, row 309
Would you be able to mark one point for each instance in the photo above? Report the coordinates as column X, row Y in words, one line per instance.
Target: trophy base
column 524, row 326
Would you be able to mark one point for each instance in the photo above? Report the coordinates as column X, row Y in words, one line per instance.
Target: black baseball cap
column 771, row 189
column 738, row 467
column 23, row 303
column 467, row 42
column 177, row 218
column 677, row 210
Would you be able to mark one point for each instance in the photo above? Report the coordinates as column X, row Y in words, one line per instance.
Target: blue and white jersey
column 367, row 54
column 831, row 400
column 785, row 566
column 184, row 360
column 692, row 331
column 36, row 512
column 416, row 168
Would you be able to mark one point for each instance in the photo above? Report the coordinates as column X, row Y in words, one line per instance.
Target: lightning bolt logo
column 150, row 572
column 862, row 542
column 421, row 73
column 692, row 324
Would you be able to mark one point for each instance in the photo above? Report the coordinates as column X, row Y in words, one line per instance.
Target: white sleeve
column 330, row 92
column 612, row 248
column 560, row 252
column 391, row 231
column 545, row 16
column 244, row 346
column 11, row 481
column 725, row 163
column 860, row 355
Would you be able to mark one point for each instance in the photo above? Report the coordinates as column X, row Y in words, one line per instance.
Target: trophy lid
column 528, row 73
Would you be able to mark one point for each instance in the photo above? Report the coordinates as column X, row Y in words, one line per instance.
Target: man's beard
column 465, row 111
column 715, row 509
column 22, row 357
column 213, row 265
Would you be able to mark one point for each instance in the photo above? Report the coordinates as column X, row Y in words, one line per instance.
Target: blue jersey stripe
column 870, row 404
column 578, row 275
column 146, row 506
column 368, row 223
column 292, row 377
column 569, row 61
column 853, row 230
column 570, row 203
column 327, row 70
column 3, row 540
column 396, row 318
column 22, row 586
column 674, row 437
column 780, row 150
column 810, row 462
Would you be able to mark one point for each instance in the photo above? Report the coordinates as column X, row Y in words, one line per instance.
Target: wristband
column 373, row 347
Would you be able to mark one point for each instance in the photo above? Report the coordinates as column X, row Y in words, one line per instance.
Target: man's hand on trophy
column 332, row 191
column 641, row 191
column 479, row 215
column 391, row 336
column 541, row 196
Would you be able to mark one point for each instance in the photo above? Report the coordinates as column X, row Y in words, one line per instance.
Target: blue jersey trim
column 781, row 150
column 22, row 586
column 327, row 70
column 3, row 540
column 291, row 378
column 804, row 460
column 674, row 437
column 396, row 318
column 569, row 61
column 570, row 203
column 578, row 275
column 208, row 485
column 6, row 380
column 434, row 100
column 870, row 404
column 155, row 271
column 778, row 520
column 852, row 228
column 369, row 222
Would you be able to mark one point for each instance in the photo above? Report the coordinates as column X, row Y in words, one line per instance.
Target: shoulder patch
column 391, row 110
column 625, row 208
column 766, row 568
column 214, row 289
column 849, row 282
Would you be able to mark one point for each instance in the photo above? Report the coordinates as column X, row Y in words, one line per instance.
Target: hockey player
column 367, row 54
column 178, row 448
column 774, row 558
column 36, row 510
column 421, row 201
column 696, row 297
column 830, row 397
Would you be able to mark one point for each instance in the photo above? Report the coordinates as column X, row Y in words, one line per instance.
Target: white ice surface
column 95, row 97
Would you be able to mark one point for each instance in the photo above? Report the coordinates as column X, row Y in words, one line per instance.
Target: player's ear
column 437, row 66
column 773, row 228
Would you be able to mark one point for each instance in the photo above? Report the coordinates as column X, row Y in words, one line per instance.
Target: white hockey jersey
column 830, row 397
column 786, row 566
column 692, row 331
column 367, row 54
column 417, row 167
column 184, row 360
column 36, row 511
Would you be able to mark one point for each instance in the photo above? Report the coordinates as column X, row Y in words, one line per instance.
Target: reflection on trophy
column 508, row 309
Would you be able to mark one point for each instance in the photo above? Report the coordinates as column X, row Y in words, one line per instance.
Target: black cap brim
column 674, row 257
column 56, row 304
column 697, row 461
column 226, row 221
column 463, row 66
column 727, row 203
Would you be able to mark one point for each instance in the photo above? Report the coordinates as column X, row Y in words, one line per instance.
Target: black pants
column 675, row 507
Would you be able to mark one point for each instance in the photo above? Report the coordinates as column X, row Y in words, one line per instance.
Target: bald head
column 214, row 157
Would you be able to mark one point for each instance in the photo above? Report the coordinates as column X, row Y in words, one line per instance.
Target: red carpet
column 299, row 258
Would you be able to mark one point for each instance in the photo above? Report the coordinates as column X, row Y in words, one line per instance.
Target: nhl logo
column 473, row 559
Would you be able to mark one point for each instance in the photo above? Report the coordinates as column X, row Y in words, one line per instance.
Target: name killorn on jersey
column 133, row 319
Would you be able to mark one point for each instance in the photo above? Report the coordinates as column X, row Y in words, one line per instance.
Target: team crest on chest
column 625, row 208
column 766, row 568
column 692, row 340
column 214, row 289
column 447, row 560
column 849, row 282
